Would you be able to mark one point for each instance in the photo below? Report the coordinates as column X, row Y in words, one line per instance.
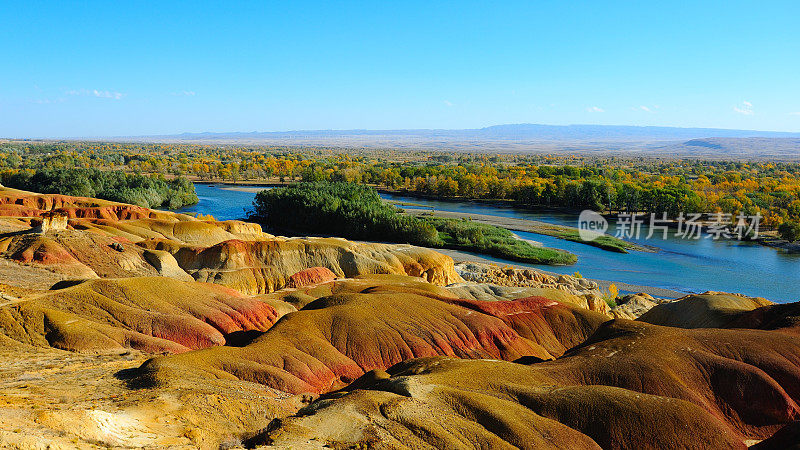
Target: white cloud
column 113, row 95
column 448, row 103
column 108, row 94
column 795, row 113
column 745, row 108
column 184, row 94
column 595, row 109
column 47, row 101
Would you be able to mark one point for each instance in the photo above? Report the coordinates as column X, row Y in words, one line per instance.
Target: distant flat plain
column 658, row 142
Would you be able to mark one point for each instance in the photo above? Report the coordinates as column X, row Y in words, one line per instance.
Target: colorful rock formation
column 152, row 314
column 128, row 327
column 631, row 385
column 336, row 339
column 586, row 291
column 311, row 276
column 107, row 239
column 263, row 266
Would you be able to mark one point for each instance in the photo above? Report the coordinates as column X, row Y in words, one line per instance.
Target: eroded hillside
column 123, row 326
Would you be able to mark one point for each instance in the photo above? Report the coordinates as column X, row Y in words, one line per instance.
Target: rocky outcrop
column 633, row 305
column 582, row 292
column 98, row 237
column 73, row 254
column 17, row 203
column 724, row 310
column 311, row 276
column 44, row 252
column 380, row 345
column 166, row 265
column 263, row 266
column 439, row 403
column 783, row 317
column 50, row 221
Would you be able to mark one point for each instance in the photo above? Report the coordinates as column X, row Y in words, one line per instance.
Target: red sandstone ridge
column 313, row 275
column 27, row 204
column 631, row 385
column 335, row 339
column 533, row 319
column 36, row 250
column 153, row 314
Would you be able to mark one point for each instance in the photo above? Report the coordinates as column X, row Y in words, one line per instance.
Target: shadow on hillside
column 241, row 338
column 137, row 378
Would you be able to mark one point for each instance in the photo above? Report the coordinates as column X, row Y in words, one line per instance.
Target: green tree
column 789, row 231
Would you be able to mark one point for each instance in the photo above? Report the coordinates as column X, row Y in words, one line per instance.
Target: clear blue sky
column 106, row 68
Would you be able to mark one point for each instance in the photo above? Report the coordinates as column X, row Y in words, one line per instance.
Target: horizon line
column 342, row 130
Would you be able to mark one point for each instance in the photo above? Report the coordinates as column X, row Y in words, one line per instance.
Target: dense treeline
column 147, row 191
column 340, row 209
column 357, row 212
column 630, row 184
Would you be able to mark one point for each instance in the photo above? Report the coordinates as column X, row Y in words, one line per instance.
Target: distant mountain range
column 517, row 132
column 527, row 138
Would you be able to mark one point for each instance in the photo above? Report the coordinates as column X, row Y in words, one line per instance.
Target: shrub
column 789, row 231
column 610, row 295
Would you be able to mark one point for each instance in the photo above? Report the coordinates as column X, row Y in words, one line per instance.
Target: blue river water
column 685, row 265
column 223, row 204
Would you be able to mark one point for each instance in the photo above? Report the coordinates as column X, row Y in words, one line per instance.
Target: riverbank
column 357, row 211
column 252, row 189
column 781, row 244
column 766, row 239
column 682, row 265
column 609, row 243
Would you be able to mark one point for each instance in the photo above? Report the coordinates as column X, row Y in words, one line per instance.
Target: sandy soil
column 57, row 399
column 243, row 188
